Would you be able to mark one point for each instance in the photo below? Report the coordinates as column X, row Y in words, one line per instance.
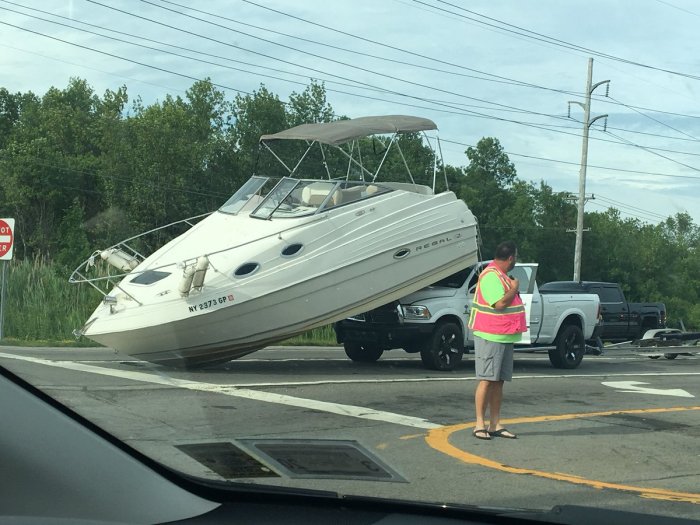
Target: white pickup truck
column 433, row 322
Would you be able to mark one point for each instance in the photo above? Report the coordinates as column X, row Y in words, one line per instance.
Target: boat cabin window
column 246, row 269
column 252, row 191
column 294, row 198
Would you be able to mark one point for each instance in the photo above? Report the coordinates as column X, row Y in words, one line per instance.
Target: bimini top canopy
column 341, row 131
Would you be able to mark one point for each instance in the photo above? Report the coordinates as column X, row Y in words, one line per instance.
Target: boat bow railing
column 122, row 256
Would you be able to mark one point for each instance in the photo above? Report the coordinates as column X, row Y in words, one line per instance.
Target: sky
column 508, row 69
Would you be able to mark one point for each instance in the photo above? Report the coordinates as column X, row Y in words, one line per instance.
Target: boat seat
column 351, row 194
column 314, row 194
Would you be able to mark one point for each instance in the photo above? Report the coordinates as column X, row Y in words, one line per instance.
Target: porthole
column 292, row 249
column 403, row 252
column 246, row 269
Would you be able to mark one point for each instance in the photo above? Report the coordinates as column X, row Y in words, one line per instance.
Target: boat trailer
column 666, row 342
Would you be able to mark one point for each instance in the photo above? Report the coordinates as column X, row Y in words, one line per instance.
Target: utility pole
column 587, row 122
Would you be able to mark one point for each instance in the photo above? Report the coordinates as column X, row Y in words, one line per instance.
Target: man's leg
column 495, row 397
column 481, row 402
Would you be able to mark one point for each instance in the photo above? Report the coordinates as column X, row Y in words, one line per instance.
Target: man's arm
column 504, row 302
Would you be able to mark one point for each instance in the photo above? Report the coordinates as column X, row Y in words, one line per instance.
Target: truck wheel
column 445, row 349
column 570, row 347
column 670, row 356
column 363, row 352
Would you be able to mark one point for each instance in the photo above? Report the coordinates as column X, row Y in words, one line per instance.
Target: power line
column 538, row 126
column 506, row 80
column 656, row 120
column 636, row 215
column 119, row 57
column 679, row 8
column 606, row 100
column 655, row 153
column 558, row 161
column 361, row 86
column 511, row 81
column 629, row 206
column 91, row 68
column 551, row 40
column 461, row 112
column 160, row 43
column 331, row 46
column 366, row 70
column 507, row 108
column 412, row 53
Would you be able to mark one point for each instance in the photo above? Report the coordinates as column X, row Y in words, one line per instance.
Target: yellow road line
column 439, row 440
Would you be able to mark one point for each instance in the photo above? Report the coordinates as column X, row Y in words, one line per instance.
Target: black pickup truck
column 622, row 321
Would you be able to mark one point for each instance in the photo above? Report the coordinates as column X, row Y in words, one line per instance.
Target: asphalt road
column 621, row 431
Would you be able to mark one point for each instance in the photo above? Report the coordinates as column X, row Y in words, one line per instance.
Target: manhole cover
column 227, row 460
column 322, row 459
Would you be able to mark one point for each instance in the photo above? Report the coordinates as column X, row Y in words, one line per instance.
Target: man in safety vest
column 497, row 320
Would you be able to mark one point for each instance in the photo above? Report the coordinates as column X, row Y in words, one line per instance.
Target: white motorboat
column 281, row 257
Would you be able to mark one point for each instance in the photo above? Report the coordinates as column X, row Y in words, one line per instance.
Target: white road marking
column 323, row 406
column 319, row 382
column 243, row 390
column 445, row 379
column 631, row 386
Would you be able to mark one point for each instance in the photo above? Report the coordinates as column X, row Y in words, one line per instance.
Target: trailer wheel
column 363, row 352
column 670, row 356
column 570, row 348
column 445, row 349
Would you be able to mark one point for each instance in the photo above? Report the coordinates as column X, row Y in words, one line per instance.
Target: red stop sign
column 7, row 238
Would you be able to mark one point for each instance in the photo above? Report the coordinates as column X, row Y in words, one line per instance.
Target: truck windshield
column 456, row 280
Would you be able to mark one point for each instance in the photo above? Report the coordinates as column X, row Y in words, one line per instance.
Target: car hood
column 431, row 292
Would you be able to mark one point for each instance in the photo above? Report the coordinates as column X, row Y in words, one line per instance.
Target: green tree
column 255, row 115
column 550, row 244
column 164, row 163
column 48, row 159
column 309, row 106
column 73, row 245
column 486, row 188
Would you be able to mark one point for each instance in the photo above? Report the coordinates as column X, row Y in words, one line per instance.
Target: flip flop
column 485, row 434
column 503, row 433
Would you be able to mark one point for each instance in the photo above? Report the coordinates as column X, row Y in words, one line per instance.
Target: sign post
column 7, row 240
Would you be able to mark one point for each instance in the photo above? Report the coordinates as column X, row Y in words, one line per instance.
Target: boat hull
column 350, row 259
column 231, row 330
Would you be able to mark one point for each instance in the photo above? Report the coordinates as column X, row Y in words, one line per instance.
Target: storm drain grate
column 227, row 460
column 336, row 459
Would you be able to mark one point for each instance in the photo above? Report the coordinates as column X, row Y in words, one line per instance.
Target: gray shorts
column 494, row 361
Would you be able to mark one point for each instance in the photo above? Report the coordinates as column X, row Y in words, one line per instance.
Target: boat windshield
column 251, row 192
column 293, row 197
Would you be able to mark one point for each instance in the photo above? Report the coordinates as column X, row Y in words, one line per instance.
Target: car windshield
column 246, row 240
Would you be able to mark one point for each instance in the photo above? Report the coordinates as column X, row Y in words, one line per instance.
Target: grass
column 323, row 336
column 40, row 304
column 42, row 308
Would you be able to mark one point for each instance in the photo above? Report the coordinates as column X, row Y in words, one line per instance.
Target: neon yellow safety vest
column 485, row 318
